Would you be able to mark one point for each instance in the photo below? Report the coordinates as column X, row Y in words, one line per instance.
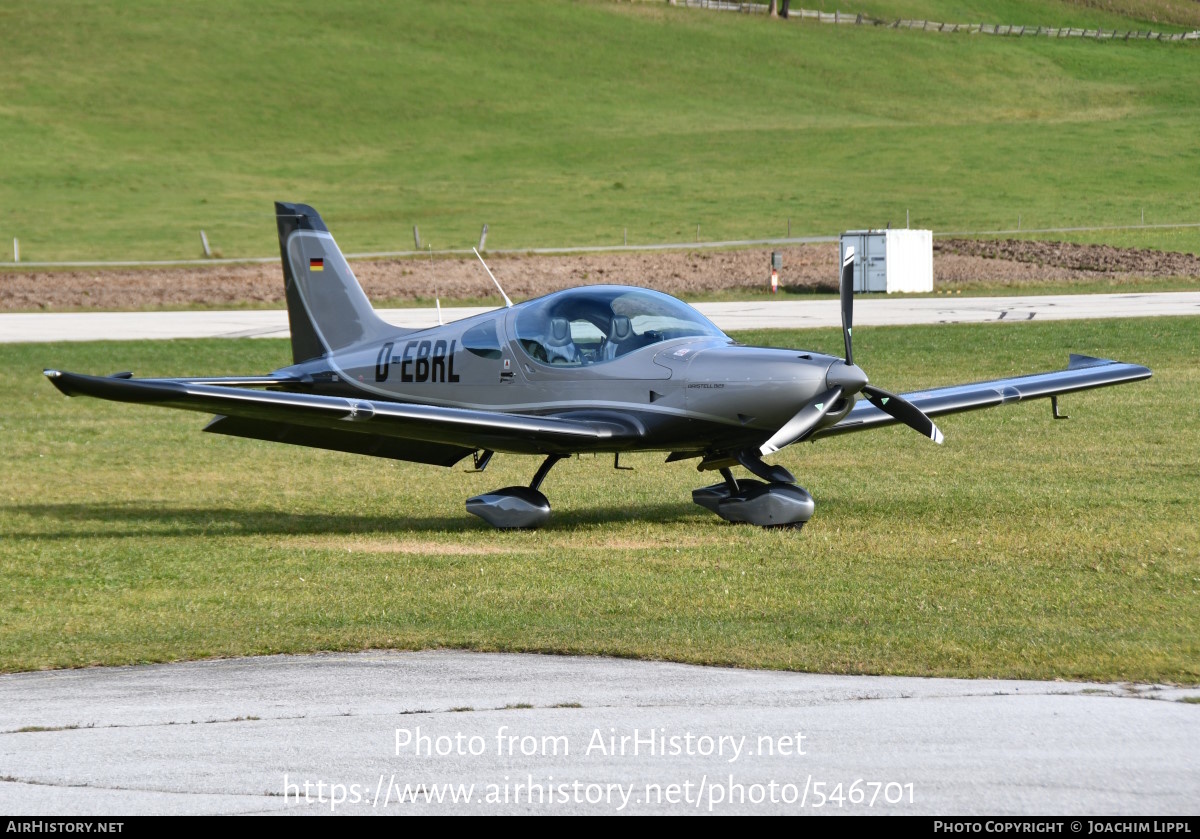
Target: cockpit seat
column 560, row 349
column 620, row 338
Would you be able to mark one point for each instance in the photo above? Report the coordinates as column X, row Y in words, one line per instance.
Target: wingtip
column 60, row 380
column 937, row 436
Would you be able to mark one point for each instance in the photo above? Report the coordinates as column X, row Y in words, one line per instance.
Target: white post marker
column 16, row 250
column 438, row 299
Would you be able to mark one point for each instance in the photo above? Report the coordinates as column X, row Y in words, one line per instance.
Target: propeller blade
column 846, row 288
column 803, row 422
column 903, row 410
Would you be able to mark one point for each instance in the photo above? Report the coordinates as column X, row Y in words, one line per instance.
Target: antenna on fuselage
column 507, row 302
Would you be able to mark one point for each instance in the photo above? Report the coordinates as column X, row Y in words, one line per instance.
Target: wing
column 404, row 431
column 1082, row 373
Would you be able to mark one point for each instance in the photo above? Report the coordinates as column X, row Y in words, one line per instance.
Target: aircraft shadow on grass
column 147, row 519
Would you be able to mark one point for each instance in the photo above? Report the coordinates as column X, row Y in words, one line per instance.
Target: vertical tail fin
column 327, row 309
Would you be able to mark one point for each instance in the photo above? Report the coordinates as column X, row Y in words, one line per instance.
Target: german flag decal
column 316, row 264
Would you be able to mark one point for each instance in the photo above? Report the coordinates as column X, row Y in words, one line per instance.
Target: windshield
column 602, row 323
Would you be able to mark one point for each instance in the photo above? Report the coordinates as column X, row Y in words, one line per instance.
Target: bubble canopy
column 595, row 324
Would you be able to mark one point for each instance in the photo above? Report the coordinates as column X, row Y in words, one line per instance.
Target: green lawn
column 125, row 128
column 1024, row 547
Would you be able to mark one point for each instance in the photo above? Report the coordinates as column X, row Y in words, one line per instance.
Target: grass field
column 126, row 128
column 1024, row 547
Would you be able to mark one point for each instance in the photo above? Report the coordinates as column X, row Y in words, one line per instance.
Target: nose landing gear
column 772, row 504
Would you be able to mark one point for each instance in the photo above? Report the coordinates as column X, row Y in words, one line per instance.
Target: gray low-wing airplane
column 595, row 369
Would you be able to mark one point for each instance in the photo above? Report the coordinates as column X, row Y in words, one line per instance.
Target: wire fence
column 1013, row 30
column 1019, row 232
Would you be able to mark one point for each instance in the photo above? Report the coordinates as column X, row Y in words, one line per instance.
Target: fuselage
column 588, row 352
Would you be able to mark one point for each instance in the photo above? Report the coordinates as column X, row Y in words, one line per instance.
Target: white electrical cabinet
column 891, row 260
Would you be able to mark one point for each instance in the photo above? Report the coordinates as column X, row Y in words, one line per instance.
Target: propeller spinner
column 847, row 379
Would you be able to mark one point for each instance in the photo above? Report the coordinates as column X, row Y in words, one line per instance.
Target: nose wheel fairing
column 774, row 504
column 768, row 505
column 775, row 501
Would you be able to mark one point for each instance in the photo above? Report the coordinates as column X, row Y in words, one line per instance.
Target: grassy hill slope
column 126, row 128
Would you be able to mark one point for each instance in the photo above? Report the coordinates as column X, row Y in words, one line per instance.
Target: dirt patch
column 956, row 263
column 966, row 260
column 421, row 548
column 625, row 544
column 406, row 280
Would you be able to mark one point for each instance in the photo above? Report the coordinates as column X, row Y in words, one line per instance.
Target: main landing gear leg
column 516, row 508
column 775, row 501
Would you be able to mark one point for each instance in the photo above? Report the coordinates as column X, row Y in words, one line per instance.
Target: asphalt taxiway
column 764, row 314
column 383, row 732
